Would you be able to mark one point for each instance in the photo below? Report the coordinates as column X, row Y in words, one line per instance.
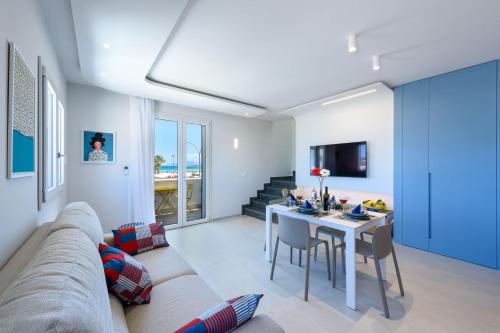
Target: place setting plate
column 356, row 217
column 308, row 211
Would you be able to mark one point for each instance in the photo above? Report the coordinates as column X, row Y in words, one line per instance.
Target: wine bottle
column 326, row 199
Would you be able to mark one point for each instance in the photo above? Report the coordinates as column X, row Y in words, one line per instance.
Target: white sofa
column 55, row 283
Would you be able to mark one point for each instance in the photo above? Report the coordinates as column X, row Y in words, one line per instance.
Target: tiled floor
column 442, row 294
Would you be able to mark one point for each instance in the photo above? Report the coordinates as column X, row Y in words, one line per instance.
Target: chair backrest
column 389, row 218
column 293, row 232
column 382, row 241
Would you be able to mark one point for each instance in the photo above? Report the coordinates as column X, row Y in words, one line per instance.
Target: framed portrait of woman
column 98, row 146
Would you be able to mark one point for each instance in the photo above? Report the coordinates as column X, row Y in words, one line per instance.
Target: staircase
column 271, row 191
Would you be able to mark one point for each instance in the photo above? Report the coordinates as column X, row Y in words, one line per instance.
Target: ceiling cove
column 117, row 42
column 150, row 77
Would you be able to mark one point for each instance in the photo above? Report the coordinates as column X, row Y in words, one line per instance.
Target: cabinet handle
column 429, row 206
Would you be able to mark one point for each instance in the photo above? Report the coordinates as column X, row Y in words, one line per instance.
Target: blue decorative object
column 308, row 205
column 357, row 210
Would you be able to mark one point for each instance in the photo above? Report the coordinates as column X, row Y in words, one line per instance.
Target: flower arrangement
column 321, row 174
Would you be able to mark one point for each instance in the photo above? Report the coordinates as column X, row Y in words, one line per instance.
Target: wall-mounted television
column 342, row 159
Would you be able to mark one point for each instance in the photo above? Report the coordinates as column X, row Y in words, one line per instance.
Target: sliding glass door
column 166, row 166
column 195, row 172
column 181, row 171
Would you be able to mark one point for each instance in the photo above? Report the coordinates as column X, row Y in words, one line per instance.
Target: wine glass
column 343, row 198
column 299, row 196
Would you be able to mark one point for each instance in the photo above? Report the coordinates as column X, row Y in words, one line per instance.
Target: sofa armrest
column 109, row 239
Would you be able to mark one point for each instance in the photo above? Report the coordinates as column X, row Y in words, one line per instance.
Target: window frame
column 61, row 146
column 53, row 134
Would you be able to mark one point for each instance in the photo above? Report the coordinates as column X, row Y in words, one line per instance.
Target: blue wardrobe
column 446, row 150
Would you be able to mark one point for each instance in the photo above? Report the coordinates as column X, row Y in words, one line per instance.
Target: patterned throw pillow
column 224, row 317
column 126, row 278
column 139, row 239
column 129, row 225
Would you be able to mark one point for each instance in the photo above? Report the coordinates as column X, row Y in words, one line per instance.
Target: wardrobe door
column 415, row 190
column 498, row 169
column 398, row 165
column 462, row 160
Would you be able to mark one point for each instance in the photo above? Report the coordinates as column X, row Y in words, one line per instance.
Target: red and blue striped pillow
column 224, row 317
column 126, row 278
column 140, row 238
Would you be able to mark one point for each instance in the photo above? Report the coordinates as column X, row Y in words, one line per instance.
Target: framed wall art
column 21, row 117
column 98, row 146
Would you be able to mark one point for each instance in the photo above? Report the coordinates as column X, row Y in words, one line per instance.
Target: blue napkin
column 357, row 210
column 292, row 196
column 307, row 205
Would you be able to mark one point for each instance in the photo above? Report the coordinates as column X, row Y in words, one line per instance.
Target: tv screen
column 343, row 159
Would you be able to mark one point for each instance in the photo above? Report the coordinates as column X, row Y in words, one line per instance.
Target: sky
column 166, row 141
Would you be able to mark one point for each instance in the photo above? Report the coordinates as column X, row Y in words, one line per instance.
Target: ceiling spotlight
column 376, row 63
column 353, row 47
column 247, row 114
column 104, row 74
column 106, row 45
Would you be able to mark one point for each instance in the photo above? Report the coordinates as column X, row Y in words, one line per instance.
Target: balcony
column 166, row 197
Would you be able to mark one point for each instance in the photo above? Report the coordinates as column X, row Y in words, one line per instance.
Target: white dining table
column 352, row 229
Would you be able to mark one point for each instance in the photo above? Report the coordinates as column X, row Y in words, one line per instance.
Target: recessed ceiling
column 275, row 54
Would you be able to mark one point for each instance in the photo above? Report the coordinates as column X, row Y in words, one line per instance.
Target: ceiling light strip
column 199, row 92
column 371, row 91
column 346, row 95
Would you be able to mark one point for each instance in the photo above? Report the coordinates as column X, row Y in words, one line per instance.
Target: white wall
column 368, row 118
column 283, row 147
column 236, row 174
column 103, row 186
column 22, row 22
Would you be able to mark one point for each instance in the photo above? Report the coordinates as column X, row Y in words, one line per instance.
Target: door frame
column 182, row 121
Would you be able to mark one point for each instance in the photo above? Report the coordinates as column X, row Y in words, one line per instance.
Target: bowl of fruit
column 375, row 206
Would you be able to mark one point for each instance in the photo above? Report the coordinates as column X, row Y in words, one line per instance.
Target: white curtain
column 141, row 144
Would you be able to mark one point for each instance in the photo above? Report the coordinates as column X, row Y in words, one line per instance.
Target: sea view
column 170, row 168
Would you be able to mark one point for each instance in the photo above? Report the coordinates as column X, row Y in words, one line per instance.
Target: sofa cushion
column 134, row 240
column 260, row 323
column 224, row 317
column 164, row 264
column 175, row 303
column 130, row 225
column 62, row 289
column 79, row 215
column 117, row 315
column 126, row 278
column 22, row 257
